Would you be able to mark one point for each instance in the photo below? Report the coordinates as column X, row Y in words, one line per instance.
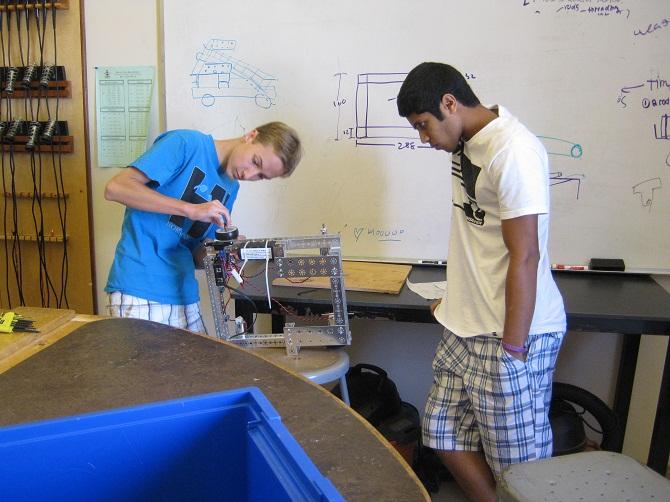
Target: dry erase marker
column 557, row 266
column 432, row 262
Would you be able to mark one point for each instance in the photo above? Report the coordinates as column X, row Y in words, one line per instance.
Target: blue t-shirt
column 154, row 258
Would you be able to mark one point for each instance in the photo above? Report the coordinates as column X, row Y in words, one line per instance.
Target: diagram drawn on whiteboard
column 558, row 178
column 217, row 74
column 645, row 190
column 377, row 119
column 377, row 122
column 561, row 148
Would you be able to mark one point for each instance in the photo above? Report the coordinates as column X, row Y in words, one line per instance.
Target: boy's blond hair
column 285, row 142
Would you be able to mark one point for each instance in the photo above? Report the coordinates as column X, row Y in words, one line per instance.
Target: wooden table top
column 123, row 362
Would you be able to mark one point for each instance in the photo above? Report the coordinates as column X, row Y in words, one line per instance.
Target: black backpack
column 372, row 393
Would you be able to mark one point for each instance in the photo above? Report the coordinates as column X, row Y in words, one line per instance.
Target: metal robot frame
column 284, row 257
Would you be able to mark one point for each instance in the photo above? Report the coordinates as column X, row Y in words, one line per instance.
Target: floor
column 448, row 492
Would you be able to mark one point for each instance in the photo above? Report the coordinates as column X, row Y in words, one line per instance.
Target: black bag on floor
column 372, row 393
column 402, row 430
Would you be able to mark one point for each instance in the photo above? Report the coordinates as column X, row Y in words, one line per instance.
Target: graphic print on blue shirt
column 463, row 169
column 198, row 228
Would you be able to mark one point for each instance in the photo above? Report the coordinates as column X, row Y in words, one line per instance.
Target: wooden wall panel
column 68, row 266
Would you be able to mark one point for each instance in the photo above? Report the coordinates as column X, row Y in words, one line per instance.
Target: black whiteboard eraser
column 607, row 264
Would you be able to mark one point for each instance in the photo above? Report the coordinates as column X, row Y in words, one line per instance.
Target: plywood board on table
column 359, row 276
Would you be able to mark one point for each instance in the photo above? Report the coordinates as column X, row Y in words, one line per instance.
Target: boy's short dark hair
column 425, row 85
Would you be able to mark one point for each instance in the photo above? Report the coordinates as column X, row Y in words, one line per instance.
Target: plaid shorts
column 482, row 398
column 177, row 316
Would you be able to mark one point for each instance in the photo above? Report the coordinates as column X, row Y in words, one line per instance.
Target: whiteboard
column 591, row 78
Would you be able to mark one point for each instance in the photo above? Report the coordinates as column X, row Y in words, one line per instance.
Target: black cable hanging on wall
column 2, row 166
column 24, row 136
column 12, row 126
column 46, row 284
column 62, row 211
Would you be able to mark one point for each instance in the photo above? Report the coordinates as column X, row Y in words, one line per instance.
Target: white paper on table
column 428, row 290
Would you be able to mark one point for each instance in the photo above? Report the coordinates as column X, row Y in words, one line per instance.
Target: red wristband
column 514, row 348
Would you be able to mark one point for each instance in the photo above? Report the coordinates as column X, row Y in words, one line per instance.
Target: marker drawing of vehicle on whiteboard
column 217, row 74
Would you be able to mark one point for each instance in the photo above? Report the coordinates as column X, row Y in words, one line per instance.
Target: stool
column 593, row 475
column 319, row 364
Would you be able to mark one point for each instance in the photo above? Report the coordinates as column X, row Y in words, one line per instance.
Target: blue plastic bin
column 223, row 446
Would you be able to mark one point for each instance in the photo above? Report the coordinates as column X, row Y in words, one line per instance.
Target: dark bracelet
column 514, row 348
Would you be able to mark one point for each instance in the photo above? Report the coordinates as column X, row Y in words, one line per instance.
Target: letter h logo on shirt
column 198, row 228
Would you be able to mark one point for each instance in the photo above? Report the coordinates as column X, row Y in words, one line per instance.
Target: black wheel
column 587, row 403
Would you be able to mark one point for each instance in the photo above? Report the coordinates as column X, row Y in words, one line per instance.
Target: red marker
column 557, row 266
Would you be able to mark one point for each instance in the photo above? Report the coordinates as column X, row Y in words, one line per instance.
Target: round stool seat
column 318, row 364
column 592, row 475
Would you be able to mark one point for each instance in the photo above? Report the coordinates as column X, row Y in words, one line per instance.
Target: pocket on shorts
column 509, row 360
column 510, row 376
column 542, row 358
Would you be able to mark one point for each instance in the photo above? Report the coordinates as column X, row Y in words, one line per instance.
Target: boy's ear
column 449, row 102
column 250, row 136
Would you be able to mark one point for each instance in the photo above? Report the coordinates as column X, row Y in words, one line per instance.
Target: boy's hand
column 210, row 212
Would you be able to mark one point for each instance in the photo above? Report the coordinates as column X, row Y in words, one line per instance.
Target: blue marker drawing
column 663, row 129
column 217, row 74
column 652, row 27
column 602, row 10
column 626, row 90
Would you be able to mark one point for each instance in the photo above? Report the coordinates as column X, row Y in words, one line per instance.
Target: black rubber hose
column 612, row 439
